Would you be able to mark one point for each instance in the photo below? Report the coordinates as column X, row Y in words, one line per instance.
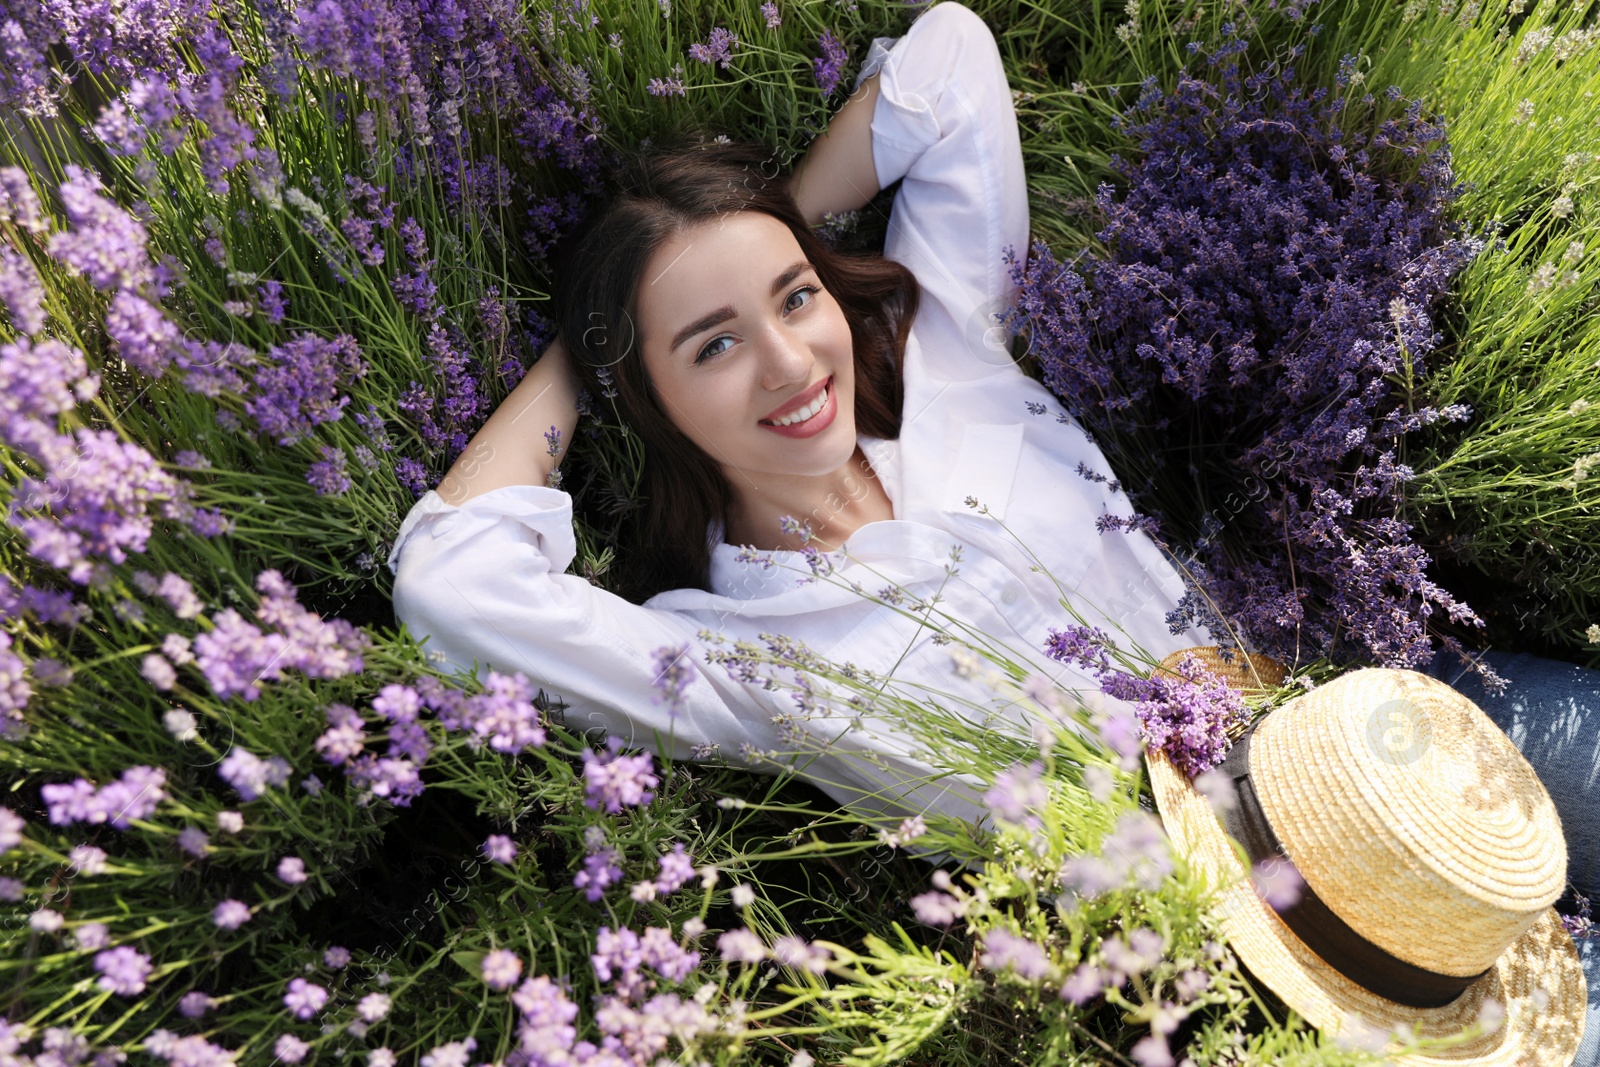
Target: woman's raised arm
column 511, row 448
column 837, row 173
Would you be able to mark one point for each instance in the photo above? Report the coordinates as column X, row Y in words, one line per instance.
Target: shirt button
column 1010, row 595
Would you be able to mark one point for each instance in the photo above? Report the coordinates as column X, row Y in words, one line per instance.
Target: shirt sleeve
column 945, row 127
column 484, row 582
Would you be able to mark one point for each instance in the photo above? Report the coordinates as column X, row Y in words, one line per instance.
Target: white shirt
column 486, row 581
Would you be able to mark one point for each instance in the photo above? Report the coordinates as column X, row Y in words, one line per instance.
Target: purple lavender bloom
column 1283, row 243
column 19, row 202
column 613, row 781
column 718, row 48
column 677, row 867
column 1084, row 984
column 194, row 1004
column 546, row 1032
column 234, row 656
column 659, row 949
column 504, row 713
column 135, row 795
column 269, row 297
column 499, row 848
column 1018, row 795
column 741, row 945
column 669, row 86
column 123, row 970
column 1189, row 720
column 291, row 870
column 304, row 999
column 829, row 67
column 336, row 957
column 674, row 671
column 501, row 969
column 103, row 241
column 395, row 780
column 14, row 688
column 769, row 11
column 21, row 291
column 327, row 474
column 11, row 826
column 297, row 387
column 600, row 869
column 936, row 908
column 250, row 775
column 1003, row 950
column 231, row 914
column 193, row 840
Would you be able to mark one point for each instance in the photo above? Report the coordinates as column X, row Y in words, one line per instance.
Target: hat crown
column 1411, row 815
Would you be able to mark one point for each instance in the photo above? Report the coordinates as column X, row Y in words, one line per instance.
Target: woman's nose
column 786, row 358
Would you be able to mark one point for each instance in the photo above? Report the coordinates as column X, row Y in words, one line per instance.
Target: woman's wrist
column 837, row 173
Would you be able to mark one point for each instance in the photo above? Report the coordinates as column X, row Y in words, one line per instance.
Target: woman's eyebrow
column 726, row 311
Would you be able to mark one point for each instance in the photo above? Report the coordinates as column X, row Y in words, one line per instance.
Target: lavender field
column 1321, row 277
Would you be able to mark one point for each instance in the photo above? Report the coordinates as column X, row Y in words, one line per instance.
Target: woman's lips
column 816, row 423
column 799, row 401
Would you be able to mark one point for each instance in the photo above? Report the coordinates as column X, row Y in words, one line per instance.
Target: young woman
column 870, row 399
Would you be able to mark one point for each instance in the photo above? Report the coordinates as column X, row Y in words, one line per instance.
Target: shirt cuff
column 545, row 511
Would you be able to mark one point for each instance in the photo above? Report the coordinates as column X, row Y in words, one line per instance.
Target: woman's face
column 737, row 333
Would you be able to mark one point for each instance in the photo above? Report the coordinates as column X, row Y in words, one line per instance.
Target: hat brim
column 1536, row 1030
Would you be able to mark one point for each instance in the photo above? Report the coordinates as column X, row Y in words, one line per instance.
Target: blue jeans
column 1551, row 712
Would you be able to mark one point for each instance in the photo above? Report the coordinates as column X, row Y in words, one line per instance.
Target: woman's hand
column 514, row 446
column 837, row 172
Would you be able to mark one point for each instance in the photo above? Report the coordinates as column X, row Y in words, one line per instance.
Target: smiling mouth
column 805, row 411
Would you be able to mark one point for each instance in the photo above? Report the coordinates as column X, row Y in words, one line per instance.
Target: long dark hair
column 664, row 191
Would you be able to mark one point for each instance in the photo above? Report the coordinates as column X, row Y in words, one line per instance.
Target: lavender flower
column 194, row 1004
column 21, row 291
column 613, row 781
column 123, row 970
column 327, row 475
column 937, row 909
column 134, row 795
column 87, row 860
column 290, row 1049
column 291, row 870
column 674, row 671
column 336, row 957
column 304, row 999
column 373, row 1007
column 193, row 840
column 1282, row 244
column 718, row 48
column 740, row 945
column 103, row 242
column 250, row 775
column 829, row 67
column 600, row 869
column 11, row 827
column 1018, row 795
column 92, row 936
column 769, row 11
column 1003, row 950
column 677, row 867
column 501, row 969
column 1084, row 984
column 296, row 388
column 231, row 914
column 499, row 848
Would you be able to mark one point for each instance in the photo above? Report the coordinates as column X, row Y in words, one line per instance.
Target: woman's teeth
column 806, row 412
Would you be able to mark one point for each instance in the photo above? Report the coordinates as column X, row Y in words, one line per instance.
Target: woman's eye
column 711, row 348
column 807, row 291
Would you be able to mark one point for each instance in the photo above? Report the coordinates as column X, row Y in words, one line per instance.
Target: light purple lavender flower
column 46, row 920
column 92, row 936
column 501, row 969
column 250, row 775
column 397, row 703
column 677, row 867
column 180, row 596
column 327, row 475
column 741, row 945
column 11, row 827
column 937, row 909
column 104, row 242
column 87, row 860
column 158, row 672
column 194, row 1004
column 292, row 870
column 718, row 48
column 12, row 890
column 395, row 780
column 453, row 1054
column 229, row 822
column 231, row 914
column 297, row 386
column 304, row 999
column 1151, row 1051
column 659, row 949
column 546, row 1032
column 21, row 291
column 500, row 849
column 829, row 68
column 340, row 743
column 668, row 86
column 1003, row 950
column 290, row 1049
column 613, row 781
column 769, row 11
column 504, row 713
column 142, row 333
column 123, row 970
column 600, row 869
column 193, row 840
column 133, row 796
column 800, row 954
column 1278, row 883
column 269, row 296
column 19, row 202
column 674, row 671
column 336, row 957
column 1018, row 795
column 373, row 1007
column 1141, row 951
column 1084, row 984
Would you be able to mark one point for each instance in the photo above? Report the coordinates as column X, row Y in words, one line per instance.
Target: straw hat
column 1431, row 856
